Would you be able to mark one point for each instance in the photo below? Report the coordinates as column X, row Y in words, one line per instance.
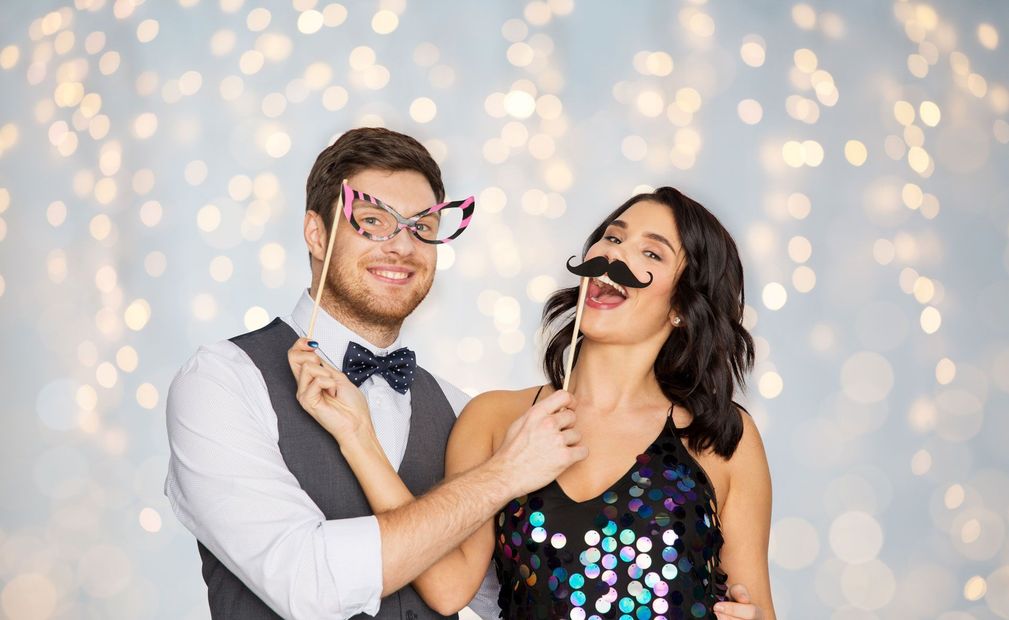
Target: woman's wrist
column 361, row 446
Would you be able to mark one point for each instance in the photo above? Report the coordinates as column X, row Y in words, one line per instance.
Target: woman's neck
column 610, row 377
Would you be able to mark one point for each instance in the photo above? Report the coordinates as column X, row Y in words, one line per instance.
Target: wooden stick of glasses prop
column 615, row 275
column 325, row 263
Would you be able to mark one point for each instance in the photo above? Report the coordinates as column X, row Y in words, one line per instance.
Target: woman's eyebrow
column 661, row 239
column 653, row 236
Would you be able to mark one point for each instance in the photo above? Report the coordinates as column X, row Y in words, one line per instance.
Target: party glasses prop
column 378, row 221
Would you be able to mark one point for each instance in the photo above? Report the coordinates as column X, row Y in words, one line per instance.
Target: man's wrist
column 499, row 479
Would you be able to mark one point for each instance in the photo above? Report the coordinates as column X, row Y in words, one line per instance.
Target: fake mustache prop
column 618, row 271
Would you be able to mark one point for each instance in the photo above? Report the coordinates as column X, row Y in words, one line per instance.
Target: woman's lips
column 596, row 298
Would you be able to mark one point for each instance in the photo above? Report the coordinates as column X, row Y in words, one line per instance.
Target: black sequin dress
column 645, row 549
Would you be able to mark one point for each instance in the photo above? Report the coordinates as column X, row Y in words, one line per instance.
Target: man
column 281, row 523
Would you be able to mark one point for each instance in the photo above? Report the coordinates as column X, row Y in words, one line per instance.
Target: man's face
column 381, row 282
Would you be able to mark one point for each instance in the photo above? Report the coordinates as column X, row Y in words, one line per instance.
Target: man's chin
column 389, row 309
column 379, row 302
column 388, row 313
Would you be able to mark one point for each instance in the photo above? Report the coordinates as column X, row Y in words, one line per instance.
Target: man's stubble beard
column 348, row 296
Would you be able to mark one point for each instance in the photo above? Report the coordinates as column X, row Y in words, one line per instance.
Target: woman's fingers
column 736, row 611
column 314, row 379
column 298, row 359
column 304, row 379
column 297, row 354
column 300, row 353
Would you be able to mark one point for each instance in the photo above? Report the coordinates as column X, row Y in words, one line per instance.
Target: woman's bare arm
column 745, row 521
column 449, row 584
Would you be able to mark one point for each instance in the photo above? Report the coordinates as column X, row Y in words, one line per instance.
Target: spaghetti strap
column 537, row 397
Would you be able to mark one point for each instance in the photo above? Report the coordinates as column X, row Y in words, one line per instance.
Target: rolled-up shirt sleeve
column 228, row 484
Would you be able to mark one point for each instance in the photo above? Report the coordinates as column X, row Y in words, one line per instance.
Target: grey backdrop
column 152, row 166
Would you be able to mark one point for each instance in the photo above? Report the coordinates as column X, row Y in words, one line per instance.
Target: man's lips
column 391, row 275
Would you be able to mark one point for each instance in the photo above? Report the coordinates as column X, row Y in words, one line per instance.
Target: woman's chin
column 602, row 329
column 616, row 327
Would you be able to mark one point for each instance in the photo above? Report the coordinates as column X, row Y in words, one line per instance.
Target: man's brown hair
column 361, row 149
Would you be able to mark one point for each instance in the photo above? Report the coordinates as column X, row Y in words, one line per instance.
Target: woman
column 675, row 496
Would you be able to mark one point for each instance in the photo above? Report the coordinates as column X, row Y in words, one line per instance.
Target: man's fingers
column 564, row 418
column 578, row 453
column 571, row 437
column 552, row 403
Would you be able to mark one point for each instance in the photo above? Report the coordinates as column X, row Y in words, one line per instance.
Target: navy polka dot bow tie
column 359, row 363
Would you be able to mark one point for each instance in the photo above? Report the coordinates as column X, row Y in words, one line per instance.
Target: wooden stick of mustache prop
column 325, row 263
column 583, row 288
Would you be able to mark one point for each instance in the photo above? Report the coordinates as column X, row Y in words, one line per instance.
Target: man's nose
column 402, row 242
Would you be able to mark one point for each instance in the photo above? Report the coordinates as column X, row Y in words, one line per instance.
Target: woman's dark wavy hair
column 699, row 364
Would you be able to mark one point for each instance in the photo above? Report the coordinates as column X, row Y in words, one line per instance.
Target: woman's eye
column 423, row 227
column 611, row 238
column 652, row 255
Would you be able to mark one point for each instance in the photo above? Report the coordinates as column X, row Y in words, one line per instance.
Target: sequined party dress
column 645, row 549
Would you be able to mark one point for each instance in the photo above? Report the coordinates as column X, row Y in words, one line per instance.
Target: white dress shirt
column 228, row 483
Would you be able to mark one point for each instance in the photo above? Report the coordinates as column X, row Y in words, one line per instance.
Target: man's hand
column 741, row 608
column 540, row 444
column 329, row 396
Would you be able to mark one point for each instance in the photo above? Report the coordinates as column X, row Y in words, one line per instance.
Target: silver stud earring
column 676, row 320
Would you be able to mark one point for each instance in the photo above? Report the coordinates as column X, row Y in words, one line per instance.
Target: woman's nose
column 614, row 253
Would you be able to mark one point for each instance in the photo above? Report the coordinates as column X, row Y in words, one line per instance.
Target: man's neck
column 379, row 335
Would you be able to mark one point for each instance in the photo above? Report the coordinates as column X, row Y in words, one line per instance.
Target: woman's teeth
column 607, row 285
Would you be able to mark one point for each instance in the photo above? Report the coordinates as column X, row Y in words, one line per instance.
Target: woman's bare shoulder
column 499, row 405
column 750, row 450
column 491, row 413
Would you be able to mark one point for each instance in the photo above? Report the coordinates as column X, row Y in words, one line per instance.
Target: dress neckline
column 662, row 433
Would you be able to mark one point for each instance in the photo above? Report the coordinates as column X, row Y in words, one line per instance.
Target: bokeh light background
column 153, row 157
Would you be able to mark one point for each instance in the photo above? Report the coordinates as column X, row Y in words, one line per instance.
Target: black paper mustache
column 618, row 271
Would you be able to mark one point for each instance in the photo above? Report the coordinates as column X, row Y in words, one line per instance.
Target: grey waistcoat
column 314, row 457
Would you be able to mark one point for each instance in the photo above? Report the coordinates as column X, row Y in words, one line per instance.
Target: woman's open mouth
column 604, row 294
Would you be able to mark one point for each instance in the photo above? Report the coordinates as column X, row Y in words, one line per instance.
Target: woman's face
column 645, row 237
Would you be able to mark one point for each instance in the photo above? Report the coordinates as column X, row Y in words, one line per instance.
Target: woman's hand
column 741, row 608
column 330, row 397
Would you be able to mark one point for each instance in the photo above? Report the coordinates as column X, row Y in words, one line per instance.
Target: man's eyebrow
column 654, row 236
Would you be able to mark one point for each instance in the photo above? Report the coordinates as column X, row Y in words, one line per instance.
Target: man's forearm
column 418, row 534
